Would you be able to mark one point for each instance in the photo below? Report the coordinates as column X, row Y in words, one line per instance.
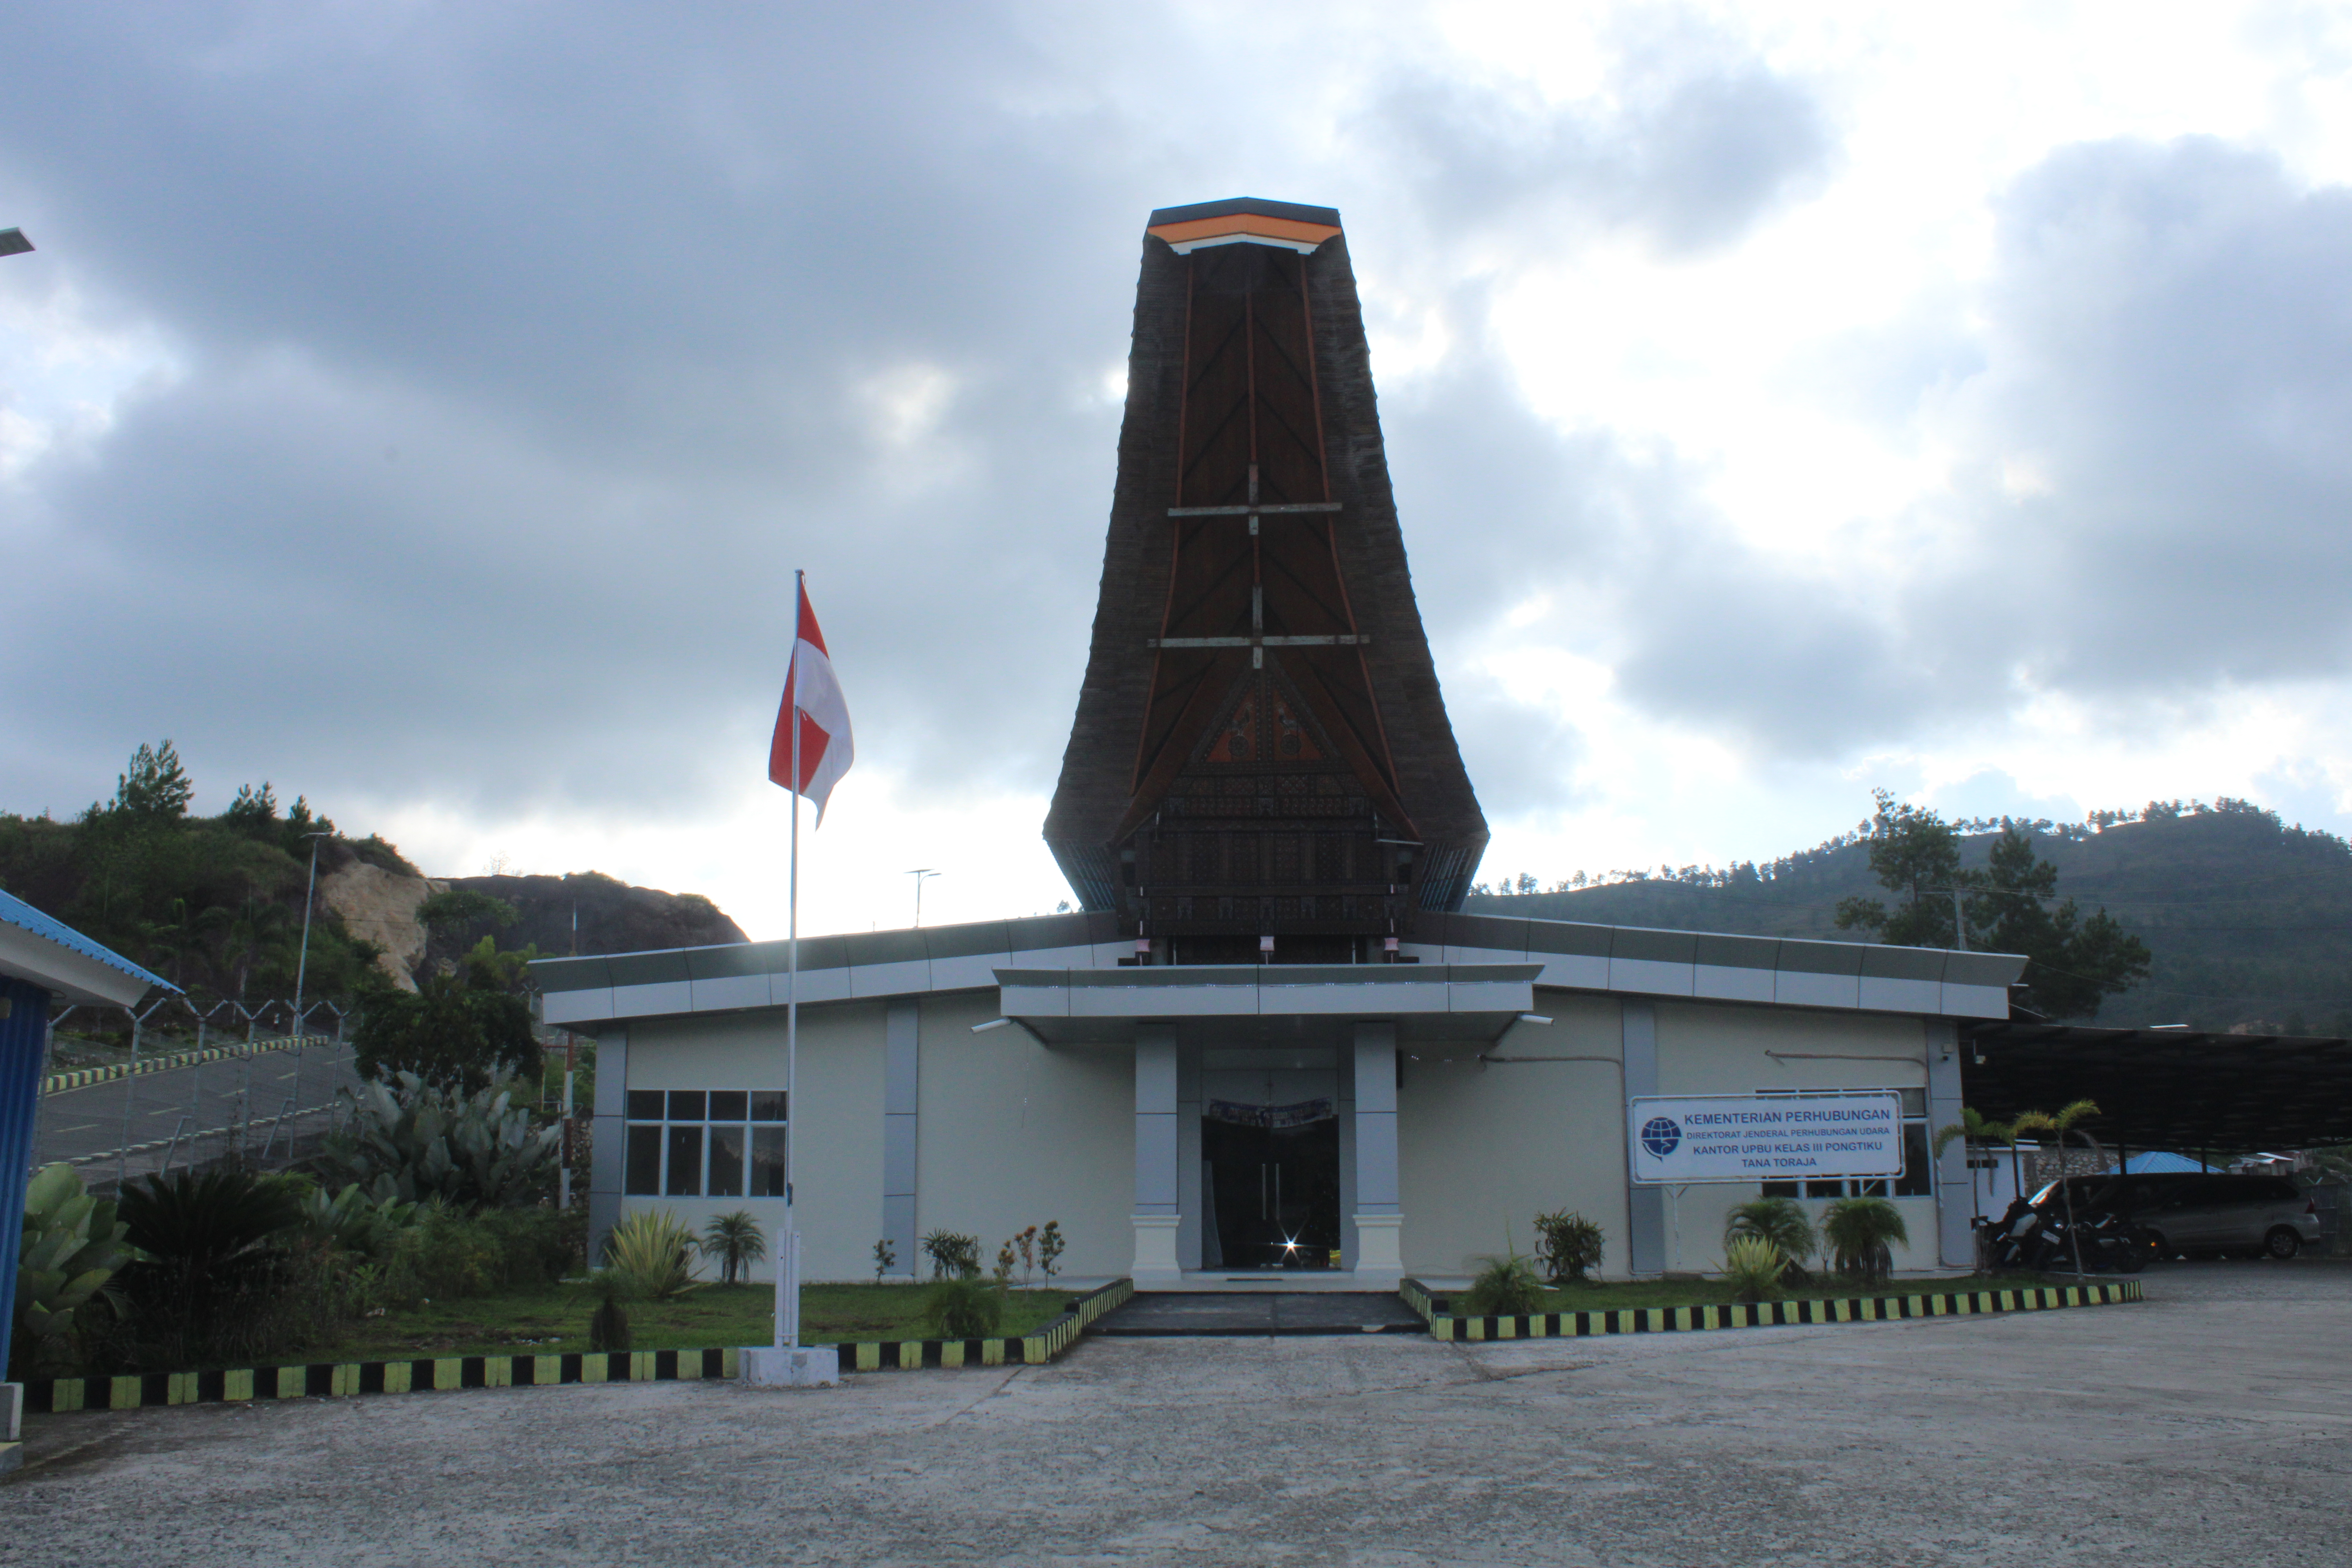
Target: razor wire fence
column 181, row 1087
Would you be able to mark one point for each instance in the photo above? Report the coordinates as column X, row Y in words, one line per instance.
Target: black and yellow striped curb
column 1762, row 1314
column 53, row 1397
column 59, row 1395
column 1035, row 1348
column 82, row 1078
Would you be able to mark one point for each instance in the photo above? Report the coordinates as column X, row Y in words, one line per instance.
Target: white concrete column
column 1645, row 1207
column 1955, row 1182
column 902, row 1101
column 1380, row 1211
column 1156, row 1215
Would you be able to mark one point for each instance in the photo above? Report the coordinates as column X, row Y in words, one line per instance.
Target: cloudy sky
column 424, row 406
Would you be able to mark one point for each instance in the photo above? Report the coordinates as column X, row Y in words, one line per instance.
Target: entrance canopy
column 1269, row 1004
column 2167, row 1089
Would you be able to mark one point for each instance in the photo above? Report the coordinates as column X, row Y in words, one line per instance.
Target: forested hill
column 2250, row 921
column 214, row 904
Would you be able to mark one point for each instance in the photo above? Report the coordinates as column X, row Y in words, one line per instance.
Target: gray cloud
column 521, row 361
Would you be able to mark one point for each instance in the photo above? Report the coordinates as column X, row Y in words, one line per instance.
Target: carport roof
column 2168, row 1088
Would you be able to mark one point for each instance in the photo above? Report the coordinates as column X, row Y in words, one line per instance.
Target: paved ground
column 2210, row 1425
column 1273, row 1312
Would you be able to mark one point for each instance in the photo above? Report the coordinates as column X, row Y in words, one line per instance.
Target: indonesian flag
column 814, row 696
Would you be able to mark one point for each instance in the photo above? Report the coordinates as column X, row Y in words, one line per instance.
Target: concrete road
column 2210, row 1425
column 144, row 1112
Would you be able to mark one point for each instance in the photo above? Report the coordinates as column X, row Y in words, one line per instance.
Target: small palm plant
column 1566, row 1245
column 734, row 1239
column 1752, row 1265
column 1862, row 1234
column 1778, row 1221
column 962, row 1307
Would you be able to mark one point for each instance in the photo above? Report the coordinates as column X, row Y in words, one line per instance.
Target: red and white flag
column 812, row 693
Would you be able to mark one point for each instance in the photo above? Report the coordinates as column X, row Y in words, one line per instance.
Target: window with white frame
column 693, row 1142
column 1918, row 1180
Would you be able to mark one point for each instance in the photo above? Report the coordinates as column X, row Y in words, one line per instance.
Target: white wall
column 1014, row 1134
column 1713, row 1049
column 837, row 1178
column 1483, row 1148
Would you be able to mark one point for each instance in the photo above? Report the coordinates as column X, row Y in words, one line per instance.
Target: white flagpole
column 788, row 1245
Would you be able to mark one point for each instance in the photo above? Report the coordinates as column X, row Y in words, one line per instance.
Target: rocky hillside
column 587, row 912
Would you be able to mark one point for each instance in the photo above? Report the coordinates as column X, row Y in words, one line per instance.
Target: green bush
column 1751, row 1266
column 652, row 1251
column 1507, row 1288
column 410, row 1140
column 952, row 1255
column 1861, row 1234
column 449, row 1256
column 225, row 1274
column 73, row 1247
column 1568, row 1245
column 1778, row 1221
column 963, row 1308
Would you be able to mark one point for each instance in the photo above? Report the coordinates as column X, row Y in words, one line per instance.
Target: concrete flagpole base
column 779, row 1366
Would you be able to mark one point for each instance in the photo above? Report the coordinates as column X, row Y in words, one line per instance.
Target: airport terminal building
column 1270, row 1045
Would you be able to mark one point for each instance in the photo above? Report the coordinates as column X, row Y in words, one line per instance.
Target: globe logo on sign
column 1661, row 1135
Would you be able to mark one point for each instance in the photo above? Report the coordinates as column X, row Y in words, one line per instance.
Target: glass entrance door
column 1273, row 1186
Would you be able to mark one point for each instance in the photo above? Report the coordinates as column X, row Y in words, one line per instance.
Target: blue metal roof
column 16, row 912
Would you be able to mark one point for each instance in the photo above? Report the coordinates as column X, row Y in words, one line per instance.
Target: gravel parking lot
column 2210, row 1425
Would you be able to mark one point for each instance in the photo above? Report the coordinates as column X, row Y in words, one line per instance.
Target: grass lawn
column 554, row 1320
column 1603, row 1295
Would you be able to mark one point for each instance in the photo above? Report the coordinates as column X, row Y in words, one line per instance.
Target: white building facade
column 1231, row 1126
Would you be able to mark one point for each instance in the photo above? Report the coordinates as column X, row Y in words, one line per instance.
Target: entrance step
column 1170, row 1313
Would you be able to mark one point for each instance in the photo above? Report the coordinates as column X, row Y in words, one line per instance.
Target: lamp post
column 302, row 964
column 920, row 873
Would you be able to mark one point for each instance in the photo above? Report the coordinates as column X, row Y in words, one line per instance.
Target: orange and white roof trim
column 1244, row 220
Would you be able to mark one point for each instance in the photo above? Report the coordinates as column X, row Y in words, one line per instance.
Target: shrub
column 72, row 1247
column 1752, row 1267
column 220, row 1275
column 735, row 1240
column 1778, row 1221
column 413, row 1141
column 353, row 1222
column 1507, row 1288
column 608, row 1326
column 1049, row 1249
column 652, row 1251
column 449, row 1256
column 1860, row 1233
column 963, row 1307
column 952, row 1254
column 456, row 1033
column 1566, row 1245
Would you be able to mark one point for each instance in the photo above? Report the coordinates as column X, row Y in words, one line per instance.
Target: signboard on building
column 1764, row 1137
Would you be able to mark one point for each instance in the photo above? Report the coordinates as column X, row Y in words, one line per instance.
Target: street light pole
column 302, row 964
column 920, row 873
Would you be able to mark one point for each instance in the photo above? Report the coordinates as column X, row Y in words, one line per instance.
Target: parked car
column 2208, row 1216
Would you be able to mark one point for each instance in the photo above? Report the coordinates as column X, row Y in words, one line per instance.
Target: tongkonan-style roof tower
column 1260, row 750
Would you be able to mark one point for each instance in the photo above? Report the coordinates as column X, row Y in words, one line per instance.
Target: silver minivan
column 2209, row 1216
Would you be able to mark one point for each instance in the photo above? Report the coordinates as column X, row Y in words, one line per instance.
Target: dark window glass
column 1873, row 1188
column 686, row 1105
column 726, row 1162
column 727, row 1104
column 645, row 1104
column 1916, row 1181
column 1825, row 1189
column 1915, row 1102
column 767, row 1161
column 767, row 1105
column 685, row 1163
column 643, row 1172
column 1781, row 1190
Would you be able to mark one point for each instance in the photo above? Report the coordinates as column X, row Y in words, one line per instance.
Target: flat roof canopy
column 2167, row 1089
column 1268, row 1004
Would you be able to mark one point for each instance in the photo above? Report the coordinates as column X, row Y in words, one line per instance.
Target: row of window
column 692, row 1142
